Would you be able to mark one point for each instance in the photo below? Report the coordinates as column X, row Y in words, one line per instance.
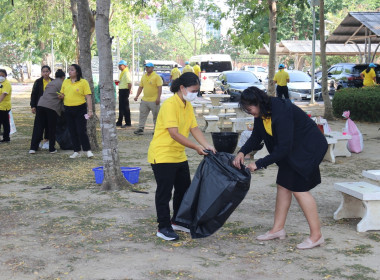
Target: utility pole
column 313, row 3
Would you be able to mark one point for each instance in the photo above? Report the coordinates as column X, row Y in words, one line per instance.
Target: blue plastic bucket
column 131, row 174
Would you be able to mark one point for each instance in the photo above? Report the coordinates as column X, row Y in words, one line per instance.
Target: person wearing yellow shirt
column 75, row 92
column 166, row 153
column 125, row 88
column 175, row 73
column 197, row 69
column 369, row 75
column 281, row 78
column 5, row 105
column 187, row 68
column 37, row 91
column 151, row 85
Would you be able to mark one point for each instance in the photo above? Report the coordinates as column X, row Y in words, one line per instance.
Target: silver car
column 299, row 86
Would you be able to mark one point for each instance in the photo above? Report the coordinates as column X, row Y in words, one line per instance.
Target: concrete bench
column 359, row 200
column 239, row 124
column 214, row 110
column 224, row 116
column 372, row 174
column 329, row 156
column 340, row 148
column 211, row 123
column 195, row 106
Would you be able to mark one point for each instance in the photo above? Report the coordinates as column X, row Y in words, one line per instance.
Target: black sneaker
column 167, row 233
column 118, row 124
column 126, row 125
column 139, row 131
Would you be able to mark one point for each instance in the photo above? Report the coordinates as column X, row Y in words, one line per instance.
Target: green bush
column 363, row 103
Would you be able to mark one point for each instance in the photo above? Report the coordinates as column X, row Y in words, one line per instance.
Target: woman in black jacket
column 297, row 146
column 37, row 91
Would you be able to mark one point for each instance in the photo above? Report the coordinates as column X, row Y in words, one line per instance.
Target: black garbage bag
column 215, row 192
column 62, row 134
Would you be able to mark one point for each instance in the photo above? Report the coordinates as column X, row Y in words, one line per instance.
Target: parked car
column 211, row 67
column 299, row 86
column 234, row 82
column 259, row 71
column 344, row 75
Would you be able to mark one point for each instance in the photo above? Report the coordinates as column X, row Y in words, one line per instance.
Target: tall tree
column 113, row 178
column 328, row 114
column 272, row 4
column 85, row 27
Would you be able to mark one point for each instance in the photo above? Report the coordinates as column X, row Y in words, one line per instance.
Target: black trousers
column 44, row 116
column 4, row 121
column 282, row 91
column 78, row 126
column 169, row 175
column 124, row 111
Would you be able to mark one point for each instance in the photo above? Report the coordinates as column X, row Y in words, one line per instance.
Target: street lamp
column 313, row 3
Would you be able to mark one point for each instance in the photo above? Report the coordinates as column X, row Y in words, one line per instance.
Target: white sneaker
column 90, row 154
column 53, row 152
column 32, row 151
column 75, row 155
column 45, row 146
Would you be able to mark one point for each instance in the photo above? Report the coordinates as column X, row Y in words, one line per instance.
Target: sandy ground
column 76, row 231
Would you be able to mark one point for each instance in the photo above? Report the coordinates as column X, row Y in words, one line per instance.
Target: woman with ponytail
column 166, row 152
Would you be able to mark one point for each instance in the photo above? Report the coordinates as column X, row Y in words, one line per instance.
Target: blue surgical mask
column 2, row 79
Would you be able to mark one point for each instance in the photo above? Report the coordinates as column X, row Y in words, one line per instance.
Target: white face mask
column 2, row 79
column 190, row 96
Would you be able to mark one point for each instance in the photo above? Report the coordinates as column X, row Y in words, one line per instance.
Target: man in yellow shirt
column 125, row 89
column 281, row 78
column 175, row 73
column 5, row 105
column 187, row 68
column 197, row 69
column 369, row 75
column 151, row 83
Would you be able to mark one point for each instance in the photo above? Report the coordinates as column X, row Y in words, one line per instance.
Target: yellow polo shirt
column 124, row 79
column 150, row 84
column 368, row 78
column 187, row 68
column 75, row 93
column 175, row 73
column 46, row 83
column 197, row 69
column 281, row 77
column 173, row 113
column 268, row 125
column 6, row 105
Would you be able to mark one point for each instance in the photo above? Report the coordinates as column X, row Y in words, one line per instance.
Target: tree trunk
column 272, row 45
column 325, row 93
column 113, row 178
column 85, row 28
column 74, row 13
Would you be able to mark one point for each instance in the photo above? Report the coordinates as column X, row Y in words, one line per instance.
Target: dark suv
column 344, row 75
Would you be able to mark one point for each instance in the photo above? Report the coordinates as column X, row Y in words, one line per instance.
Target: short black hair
column 254, row 96
column 78, row 70
column 47, row 67
column 4, row 71
column 59, row 73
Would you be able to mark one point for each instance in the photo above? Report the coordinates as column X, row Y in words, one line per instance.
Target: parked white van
column 211, row 67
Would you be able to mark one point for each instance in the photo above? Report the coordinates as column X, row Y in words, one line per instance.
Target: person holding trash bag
column 166, row 151
column 297, row 146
